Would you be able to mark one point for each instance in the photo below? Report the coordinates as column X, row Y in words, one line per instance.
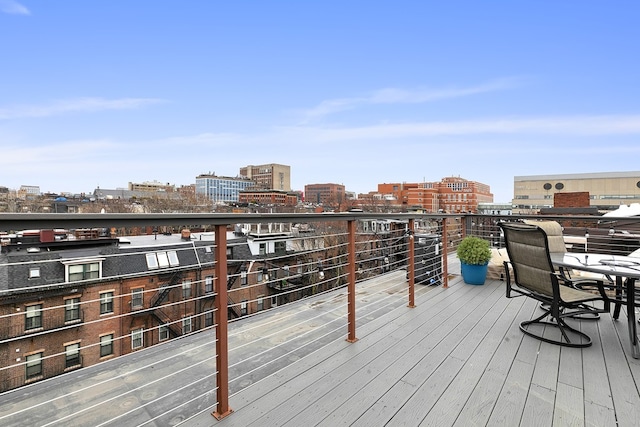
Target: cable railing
column 343, row 260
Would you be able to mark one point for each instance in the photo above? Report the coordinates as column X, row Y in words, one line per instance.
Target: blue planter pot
column 474, row 274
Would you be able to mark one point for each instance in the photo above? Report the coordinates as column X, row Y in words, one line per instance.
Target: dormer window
column 83, row 269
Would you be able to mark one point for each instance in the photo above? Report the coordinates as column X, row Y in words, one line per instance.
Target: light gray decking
column 456, row 359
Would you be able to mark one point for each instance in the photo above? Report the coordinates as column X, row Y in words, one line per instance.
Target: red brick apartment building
column 68, row 302
column 460, row 195
column 325, row 194
column 73, row 299
column 451, row 194
column 268, row 197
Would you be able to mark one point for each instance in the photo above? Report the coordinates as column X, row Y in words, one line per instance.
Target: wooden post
column 351, row 249
column 222, row 320
column 411, row 264
column 445, row 251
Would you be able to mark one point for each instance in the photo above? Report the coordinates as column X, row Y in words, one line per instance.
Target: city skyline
column 102, row 94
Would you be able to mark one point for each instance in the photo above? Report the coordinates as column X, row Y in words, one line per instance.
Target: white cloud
column 56, row 154
column 203, row 140
column 13, row 7
column 571, row 125
column 77, row 105
column 403, row 96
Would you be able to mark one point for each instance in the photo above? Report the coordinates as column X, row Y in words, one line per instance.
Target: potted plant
column 474, row 254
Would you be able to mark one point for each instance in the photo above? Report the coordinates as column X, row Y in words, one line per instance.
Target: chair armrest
column 507, row 275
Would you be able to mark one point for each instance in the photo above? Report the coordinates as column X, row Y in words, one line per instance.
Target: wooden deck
column 457, row 358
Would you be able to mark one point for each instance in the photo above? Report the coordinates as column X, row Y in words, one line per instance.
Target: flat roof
column 594, row 175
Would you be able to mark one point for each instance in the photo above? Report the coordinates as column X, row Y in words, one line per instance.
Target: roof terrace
column 381, row 351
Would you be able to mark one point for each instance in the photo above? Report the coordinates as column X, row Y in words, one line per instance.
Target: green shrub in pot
column 474, row 254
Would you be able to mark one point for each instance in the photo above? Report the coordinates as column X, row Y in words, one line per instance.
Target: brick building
column 67, row 303
column 268, row 197
column 325, row 194
column 578, row 199
column 460, row 195
column 451, row 194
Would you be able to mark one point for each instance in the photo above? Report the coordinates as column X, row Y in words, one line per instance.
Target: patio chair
column 534, row 276
column 577, row 279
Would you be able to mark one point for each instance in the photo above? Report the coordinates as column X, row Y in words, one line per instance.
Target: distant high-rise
column 271, row 176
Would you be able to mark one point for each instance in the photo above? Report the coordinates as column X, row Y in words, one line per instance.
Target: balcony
column 450, row 354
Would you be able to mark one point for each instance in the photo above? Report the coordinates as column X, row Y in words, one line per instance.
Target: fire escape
column 232, row 274
column 160, row 297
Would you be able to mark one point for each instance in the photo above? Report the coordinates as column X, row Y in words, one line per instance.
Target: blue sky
column 101, row 93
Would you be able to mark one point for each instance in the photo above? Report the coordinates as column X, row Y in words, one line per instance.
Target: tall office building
column 271, row 176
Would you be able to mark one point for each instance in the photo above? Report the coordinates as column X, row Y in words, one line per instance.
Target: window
column 260, row 302
column 34, row 366
column 33, row 317
column 208, row 318
column 260, row 276
column 243, row 307
column 137, row 338
column 208, row 284
column 163, row 332
column 71, row 309
column 72, row 355
column 243, row 277
column 186, row 289
column 162, row 259
column 152, row 261
column 106, row 302
column 173, row 258
column 186, row 325
column 281, row 247
column 137, row 298
column 88, row 271
column 106, row 345
column 34, row 272
column 263, row 249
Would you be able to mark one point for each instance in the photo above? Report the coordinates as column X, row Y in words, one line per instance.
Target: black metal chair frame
column 534, row 276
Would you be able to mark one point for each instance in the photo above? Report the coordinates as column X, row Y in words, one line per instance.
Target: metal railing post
column 411, row 265
column 445, row 252
column 351, row 249
column 222, row 320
